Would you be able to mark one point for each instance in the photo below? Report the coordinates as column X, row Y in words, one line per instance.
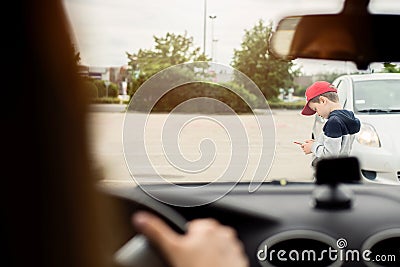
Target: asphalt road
column 283, row 159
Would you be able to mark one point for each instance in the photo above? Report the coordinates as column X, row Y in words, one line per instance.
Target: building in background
column 117, row 75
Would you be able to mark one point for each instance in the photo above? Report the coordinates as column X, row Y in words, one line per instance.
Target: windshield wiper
column 374, row 110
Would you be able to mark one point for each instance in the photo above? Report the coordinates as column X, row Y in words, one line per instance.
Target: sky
column 104, row 30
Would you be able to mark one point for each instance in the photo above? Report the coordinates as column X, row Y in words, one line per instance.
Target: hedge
column 108, row 100
column 273, row 105
column 287, row 105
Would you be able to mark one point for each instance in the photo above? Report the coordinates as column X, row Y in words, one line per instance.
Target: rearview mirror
column 361, row 38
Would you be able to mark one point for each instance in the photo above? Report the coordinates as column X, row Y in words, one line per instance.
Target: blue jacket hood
column 349, row 124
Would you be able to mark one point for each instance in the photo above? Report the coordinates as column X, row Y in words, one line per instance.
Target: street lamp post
column 205, row 23
column 212, row 17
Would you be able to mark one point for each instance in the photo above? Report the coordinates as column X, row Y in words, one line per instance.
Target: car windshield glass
column 377, row 96
column 187, row 91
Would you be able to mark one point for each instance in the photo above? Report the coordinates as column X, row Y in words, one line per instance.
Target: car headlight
column 368, row 136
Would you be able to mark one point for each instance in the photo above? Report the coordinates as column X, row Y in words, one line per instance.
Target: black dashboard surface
column 284, row 218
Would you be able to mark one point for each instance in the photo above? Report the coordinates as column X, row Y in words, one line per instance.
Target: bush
column 287, row 105
column 91, row 89
column 113, row 90
column 191, row 91
column 101, row 87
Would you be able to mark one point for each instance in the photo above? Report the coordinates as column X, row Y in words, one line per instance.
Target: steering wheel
column 138, row 251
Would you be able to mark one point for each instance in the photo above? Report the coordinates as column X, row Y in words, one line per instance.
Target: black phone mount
column 331, row 176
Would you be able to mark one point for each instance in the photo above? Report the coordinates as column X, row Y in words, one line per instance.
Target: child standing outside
column 340, row 128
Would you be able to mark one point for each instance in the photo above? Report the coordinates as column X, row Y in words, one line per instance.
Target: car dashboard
column 280, row 224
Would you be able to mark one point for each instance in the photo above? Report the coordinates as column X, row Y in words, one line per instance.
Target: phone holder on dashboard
column 331, row 175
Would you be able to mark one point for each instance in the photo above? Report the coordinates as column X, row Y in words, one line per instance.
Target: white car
column 375, row 100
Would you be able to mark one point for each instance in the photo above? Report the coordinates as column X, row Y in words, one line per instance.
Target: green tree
column 390, row 68
column 77, row 54
column 254, row 60
column 168, row 51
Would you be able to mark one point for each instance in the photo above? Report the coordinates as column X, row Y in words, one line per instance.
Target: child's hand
column 306, row 146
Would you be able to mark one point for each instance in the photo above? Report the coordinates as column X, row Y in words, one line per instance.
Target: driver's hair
column 332, row 96
column 54, row 214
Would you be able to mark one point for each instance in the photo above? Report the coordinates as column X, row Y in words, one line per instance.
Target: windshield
column 187, row 91
column 377, row 96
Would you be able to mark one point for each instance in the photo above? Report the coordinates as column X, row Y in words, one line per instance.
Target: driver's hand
column 206, row 243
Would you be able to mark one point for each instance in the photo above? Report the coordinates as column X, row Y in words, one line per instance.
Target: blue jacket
column 338, row 135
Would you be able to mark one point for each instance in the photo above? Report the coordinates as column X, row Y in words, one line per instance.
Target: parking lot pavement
column 289, row 161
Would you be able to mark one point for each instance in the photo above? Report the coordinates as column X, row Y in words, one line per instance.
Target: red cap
column 316, row 89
